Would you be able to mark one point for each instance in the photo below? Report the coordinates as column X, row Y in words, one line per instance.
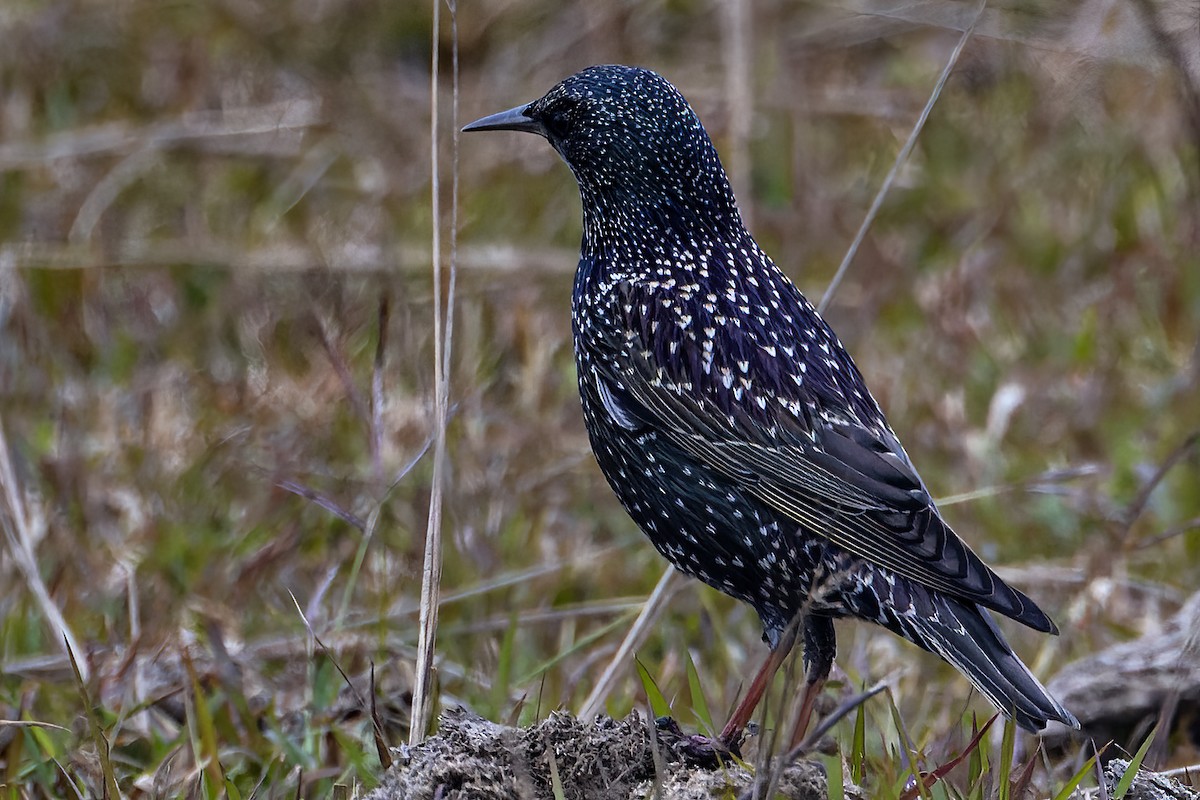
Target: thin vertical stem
column 431, row 571
column 594, row 704
column 20, row 540
column 901, row 157
column 452, row 6
column 376, row 424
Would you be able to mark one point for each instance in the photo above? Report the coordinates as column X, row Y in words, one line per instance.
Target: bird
column 732, row 424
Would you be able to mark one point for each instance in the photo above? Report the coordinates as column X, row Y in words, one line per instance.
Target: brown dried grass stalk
column 431, row 573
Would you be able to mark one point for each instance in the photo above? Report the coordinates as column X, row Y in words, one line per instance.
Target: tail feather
column 966, row 636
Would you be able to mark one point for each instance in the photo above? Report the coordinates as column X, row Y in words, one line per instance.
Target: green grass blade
column 658, row 703
column 1007, row 746
column 209, row 751
column 917, row 780
column 976, row 766
column 575, row 647
column 102, row 749
column 44, row 742
column 555, row 781
column 364, row 542
column 834, row 788
column 1076, row 779
column 1131, row 771
column 699, row 702
column 929, row 779
column 502, row 685
column 858, row 750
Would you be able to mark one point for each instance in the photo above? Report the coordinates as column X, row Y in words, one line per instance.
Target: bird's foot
column 696, row 749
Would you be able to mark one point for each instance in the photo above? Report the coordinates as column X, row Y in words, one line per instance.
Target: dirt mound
column 604, row 760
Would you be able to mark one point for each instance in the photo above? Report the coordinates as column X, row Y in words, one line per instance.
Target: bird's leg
column 820, row 647
column 731, row 734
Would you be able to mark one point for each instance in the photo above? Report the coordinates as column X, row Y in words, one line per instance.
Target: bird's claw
column 696, row 749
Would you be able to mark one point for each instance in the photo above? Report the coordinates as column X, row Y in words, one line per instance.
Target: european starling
column 731, row 423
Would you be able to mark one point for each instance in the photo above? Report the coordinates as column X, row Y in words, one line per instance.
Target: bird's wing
column 742, row 415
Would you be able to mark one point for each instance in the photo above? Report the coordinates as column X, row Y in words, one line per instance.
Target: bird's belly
column 712, row 528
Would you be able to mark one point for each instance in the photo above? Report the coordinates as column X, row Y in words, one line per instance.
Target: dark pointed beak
column 515, row 119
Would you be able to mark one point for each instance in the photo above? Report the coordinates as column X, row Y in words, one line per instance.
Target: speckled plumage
column 728, row 418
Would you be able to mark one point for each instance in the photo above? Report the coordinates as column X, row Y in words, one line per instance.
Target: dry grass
column 203, row 207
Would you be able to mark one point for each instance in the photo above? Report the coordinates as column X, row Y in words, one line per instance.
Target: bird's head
column 628, row 135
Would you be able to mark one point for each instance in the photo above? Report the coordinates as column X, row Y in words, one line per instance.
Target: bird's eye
column 557, row 121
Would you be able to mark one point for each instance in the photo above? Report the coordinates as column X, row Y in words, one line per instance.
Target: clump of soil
column 603, row 760
column 1146, row 785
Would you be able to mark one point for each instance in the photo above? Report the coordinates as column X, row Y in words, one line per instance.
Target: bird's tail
column 966, row 636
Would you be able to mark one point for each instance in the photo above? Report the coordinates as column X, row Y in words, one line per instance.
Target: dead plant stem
column 901, row 157
column 422, row 703
column 18, row 535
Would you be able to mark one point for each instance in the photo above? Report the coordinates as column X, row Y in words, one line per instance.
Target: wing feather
column 837, row 476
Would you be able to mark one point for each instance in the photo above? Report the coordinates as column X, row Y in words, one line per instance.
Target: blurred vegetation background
column 216, row 349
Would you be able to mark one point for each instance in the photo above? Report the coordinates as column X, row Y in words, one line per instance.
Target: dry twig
column 18, row 533
column 901, row 157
